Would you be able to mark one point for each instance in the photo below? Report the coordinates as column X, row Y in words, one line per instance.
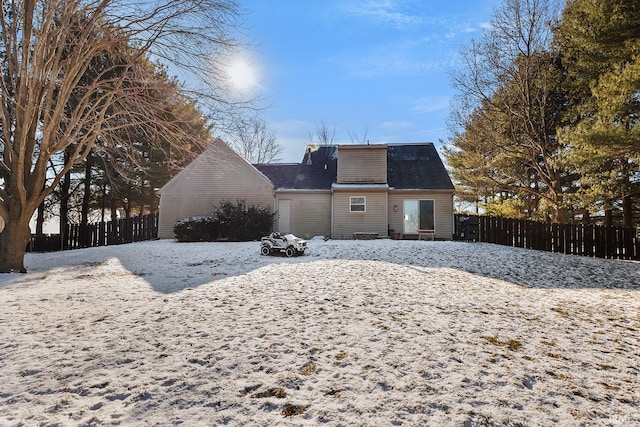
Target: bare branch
column 322, row 134
column 254, row 141
column 79, row 75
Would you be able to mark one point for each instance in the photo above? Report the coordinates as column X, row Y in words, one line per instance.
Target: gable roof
column 409, row 167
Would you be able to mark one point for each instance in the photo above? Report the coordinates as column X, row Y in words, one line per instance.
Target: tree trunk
column 608, row 218
column 65, row 186
column 586, row 217
column 142, row 197
column 560, row 216
column 113, row 207
column 13, row 244
column 86, row 198
column 627, row 211
column 559, row 212
column 40, row 219
column 104, row 202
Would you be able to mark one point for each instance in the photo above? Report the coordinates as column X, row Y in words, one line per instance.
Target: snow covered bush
column 230, row 221
column 196, row 229
column 241, row 222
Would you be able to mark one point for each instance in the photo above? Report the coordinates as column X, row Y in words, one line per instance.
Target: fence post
column 628, row 242
column 579, row 239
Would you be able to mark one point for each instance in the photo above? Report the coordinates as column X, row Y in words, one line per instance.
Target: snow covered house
column 339, row 191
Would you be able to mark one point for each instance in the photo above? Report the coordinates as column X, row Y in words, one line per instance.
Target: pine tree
column 600, row 45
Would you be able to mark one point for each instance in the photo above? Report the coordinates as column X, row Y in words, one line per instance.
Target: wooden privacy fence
column 135, row 229
column 577, row 239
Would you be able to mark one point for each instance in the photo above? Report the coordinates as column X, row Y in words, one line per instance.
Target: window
column 418, row 215
column 357, row 204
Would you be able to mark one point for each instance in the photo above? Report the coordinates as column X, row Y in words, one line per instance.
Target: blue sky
column 375, row 66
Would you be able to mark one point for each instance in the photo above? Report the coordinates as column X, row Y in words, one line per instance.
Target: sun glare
column 242, row 75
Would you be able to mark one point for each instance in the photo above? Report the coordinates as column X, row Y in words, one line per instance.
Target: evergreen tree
column 600, row 45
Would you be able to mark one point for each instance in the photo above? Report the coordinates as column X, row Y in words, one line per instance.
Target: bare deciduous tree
column 357, row 138
column 50, row 106
column 322, row 134
column 254, row 141
column 509, row 90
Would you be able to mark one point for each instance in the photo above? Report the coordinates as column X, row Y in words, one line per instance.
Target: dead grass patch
column 334, row 393
column 561, row 312
column 604, row 367
column 291, row 410
column 277, row 392
column 308, row 369
column 557, row 376
column 248, row 389
column 511, row 344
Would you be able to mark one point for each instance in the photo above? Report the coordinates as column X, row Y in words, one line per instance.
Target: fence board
column 76, row 236
column 577, row 239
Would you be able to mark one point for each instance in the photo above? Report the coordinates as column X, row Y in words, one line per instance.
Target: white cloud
column 409, row 57
column 430, row 104
column 383, row 11
column 427, row 44
column 396, row 124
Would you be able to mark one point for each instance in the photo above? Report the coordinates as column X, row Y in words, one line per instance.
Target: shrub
column 196, row 229
column 233, row 221
column 242, row 222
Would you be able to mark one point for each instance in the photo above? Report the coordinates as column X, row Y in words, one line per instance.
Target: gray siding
column 374, row 220
column 443, row 205
column 310, row 212
column 217, row 174
column 362, row 164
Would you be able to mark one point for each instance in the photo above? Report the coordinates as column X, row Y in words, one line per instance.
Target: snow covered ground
column 353, row 333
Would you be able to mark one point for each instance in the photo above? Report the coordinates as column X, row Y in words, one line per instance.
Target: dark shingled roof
column 318, row 170
column 416, row 166
column 409, row 166
column 281, row 174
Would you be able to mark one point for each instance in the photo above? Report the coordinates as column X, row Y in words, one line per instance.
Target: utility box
column 468, row 227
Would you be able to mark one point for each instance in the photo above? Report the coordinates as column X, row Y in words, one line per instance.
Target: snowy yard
column 353, row 333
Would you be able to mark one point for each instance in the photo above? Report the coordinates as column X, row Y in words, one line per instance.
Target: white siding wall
column 374, row 220
column 310, row 212
column 217, row 174
column 443, row 205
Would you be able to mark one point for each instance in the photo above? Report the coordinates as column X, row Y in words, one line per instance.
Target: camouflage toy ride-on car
column 288, row 244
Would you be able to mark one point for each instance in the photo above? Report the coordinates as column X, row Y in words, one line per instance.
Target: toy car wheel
column 264, row 250
column 290, row 251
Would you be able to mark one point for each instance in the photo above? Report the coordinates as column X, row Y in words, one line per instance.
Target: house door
column 284, row 216
column 418, row 215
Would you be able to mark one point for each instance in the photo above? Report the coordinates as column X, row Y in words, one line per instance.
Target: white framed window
column 357, row 204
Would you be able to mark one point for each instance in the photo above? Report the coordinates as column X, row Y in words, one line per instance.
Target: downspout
column 453, row 216
column 332, row 214
column 387, row 210
column 275, row 209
